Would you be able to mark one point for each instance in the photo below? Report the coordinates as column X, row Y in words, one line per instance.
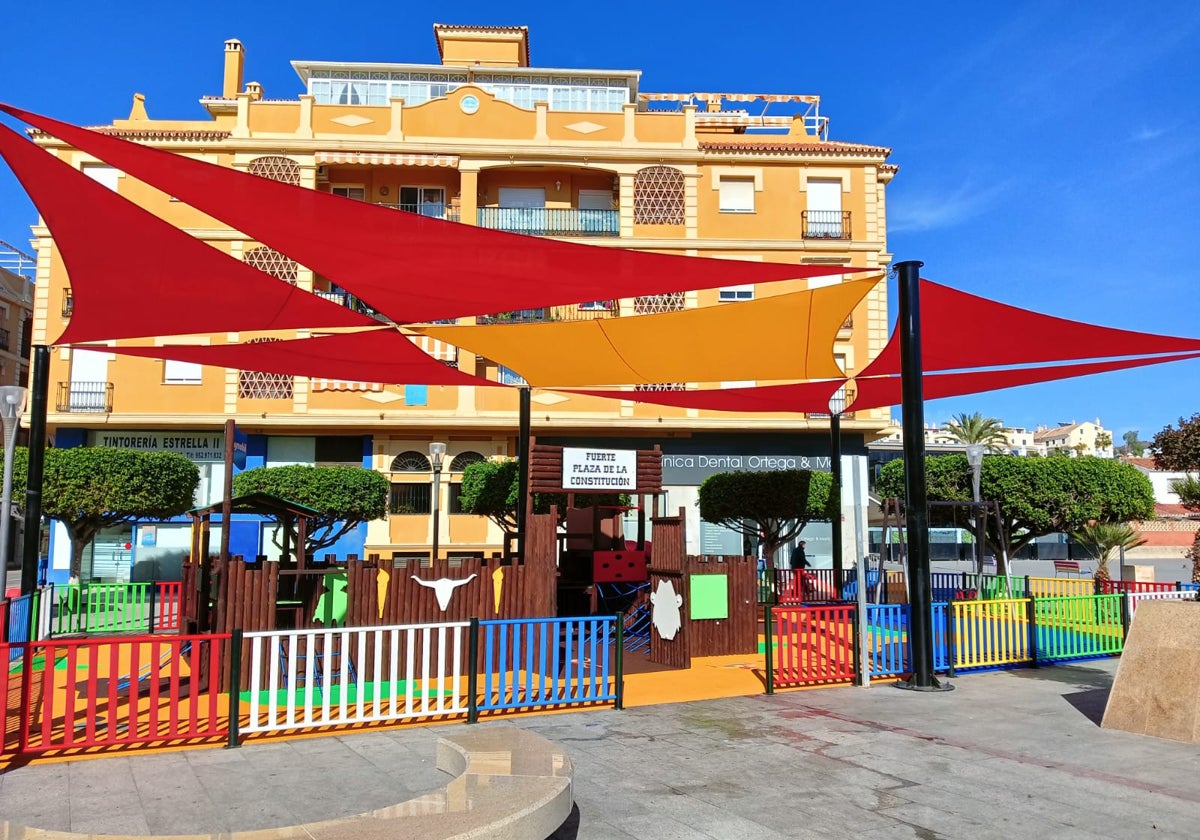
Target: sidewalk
column 1007, row 754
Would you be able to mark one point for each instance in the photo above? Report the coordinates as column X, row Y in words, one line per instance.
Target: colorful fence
column 92, row 693
column 1109, row 587
column 1079, row 626
column 990, row 633
column 886, row 642
column 311, row 678
column 810, row 645
column 143, row 606
column 1132, row 599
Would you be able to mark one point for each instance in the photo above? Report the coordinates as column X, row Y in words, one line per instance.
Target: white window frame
column 731, row 200
column 344, row 191
column 182, row 373
column 730, row 294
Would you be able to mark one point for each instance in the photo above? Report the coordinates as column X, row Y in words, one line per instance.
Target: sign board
column 599, row 469
column 241, row 442
column 200, row 447
column 692, row 469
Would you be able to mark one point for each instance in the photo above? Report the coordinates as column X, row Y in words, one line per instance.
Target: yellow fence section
column 991, row 632
column 1040, row 587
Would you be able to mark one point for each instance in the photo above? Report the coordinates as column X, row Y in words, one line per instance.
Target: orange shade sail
column 786, row 336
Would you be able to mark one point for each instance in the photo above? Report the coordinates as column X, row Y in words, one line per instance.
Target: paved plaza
column 1005, row 755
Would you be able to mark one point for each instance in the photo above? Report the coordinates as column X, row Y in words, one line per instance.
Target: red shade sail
column 876, row 392
column 408, row 266
column 960, row 330
column 135, row 275
column 807, row 397
column 382, row 355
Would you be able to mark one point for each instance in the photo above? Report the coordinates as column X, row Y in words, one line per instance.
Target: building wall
column 496, row 145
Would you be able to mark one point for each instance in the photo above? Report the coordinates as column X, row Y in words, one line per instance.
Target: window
column 276, row 168
column 465, row 459
column 177, row 373
column 732, row 293
column 411, row 461
column 339, row 450
column 358, row 193
column 428, row 201
column 409, row 499
column 736, row 195
column 455, row 497
column 102, row 174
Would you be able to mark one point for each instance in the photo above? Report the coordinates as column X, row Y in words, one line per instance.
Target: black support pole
column 37, row 460
column 523, row 468
column 916, row 504
column 835, row 468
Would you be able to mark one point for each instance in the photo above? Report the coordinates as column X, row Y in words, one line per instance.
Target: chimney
column 255, row 90
column 235, row 64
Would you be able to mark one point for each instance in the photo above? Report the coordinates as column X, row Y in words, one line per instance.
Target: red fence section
column 1115, row 587
column 95, row 693
column 812, row 645
column 168, row 600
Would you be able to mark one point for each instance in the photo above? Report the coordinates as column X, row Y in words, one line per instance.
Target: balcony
column 589, row 311
column 68, row 304
column 85, row 397
column 432, row 209
column 551, row 221
column 5, row 339
column 826, row 224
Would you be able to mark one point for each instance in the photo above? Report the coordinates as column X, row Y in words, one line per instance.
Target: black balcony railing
column 85, row 397
column 432, row 209
column 518, row 316
column 551, row 221
column 826, row 224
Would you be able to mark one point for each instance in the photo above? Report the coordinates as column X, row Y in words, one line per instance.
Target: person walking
column 799, row 558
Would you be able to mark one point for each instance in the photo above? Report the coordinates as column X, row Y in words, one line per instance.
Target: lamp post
column 975, row 461
column 837, row 404
column 12, row 405
column 437, row 451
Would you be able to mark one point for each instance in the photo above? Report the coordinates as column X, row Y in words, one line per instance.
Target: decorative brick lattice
column 654, row 304
column 272, row 262
column 658, row 196
column 276, row 168
column 256, row 385
column 411, row 461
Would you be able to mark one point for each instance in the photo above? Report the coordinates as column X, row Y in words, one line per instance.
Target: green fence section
column 101, row 608
column 1074, row 627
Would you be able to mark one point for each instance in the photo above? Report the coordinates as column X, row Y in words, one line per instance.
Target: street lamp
column 12, row 405
column 975, row 461
column 437, row 451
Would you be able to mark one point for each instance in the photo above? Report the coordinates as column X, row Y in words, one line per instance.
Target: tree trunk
column 1102, row 575
column 77, row 547
column 1194, row 555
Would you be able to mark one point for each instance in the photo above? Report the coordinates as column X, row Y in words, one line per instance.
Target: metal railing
column 551, row 221
column 68, row 304
column 429, row 209
column 85, row 397
column 826, row 224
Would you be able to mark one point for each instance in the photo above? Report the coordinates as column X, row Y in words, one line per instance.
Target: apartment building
column 16, row 314
column 482, row 136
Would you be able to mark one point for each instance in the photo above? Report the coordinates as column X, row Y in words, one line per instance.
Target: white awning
column 386, row 159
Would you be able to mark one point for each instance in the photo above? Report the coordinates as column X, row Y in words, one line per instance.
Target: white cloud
column 1145, row 133
column 929, row 211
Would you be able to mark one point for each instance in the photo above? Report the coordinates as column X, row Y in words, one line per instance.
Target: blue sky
column 1048, row 150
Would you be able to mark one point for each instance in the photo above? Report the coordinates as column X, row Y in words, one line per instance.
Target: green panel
column 709, row 596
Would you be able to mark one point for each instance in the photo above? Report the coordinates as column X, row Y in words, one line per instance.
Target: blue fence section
column 21, row 614
column 942, row 654
column 529, row 663
column 887, row 639
column 850, row 586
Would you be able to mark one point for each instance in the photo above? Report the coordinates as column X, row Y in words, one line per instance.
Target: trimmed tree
column 344, row 497
column 89, row 488
column 776, row 504
column 1179, row 449
column 1036, row 496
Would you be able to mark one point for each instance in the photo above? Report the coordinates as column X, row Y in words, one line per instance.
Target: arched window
column 658, row 196
column 411, row 461
column 276, row 168
column 272, row 262
column 465, row 459
column 256, row 385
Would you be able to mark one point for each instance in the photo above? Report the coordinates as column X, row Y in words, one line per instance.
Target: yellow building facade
column 483, row 137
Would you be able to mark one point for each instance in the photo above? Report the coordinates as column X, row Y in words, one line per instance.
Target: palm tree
column 975, row 428
column 1103, row 538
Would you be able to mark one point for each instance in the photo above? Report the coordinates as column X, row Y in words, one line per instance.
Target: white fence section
column 1132, row 599
column 307, row 678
